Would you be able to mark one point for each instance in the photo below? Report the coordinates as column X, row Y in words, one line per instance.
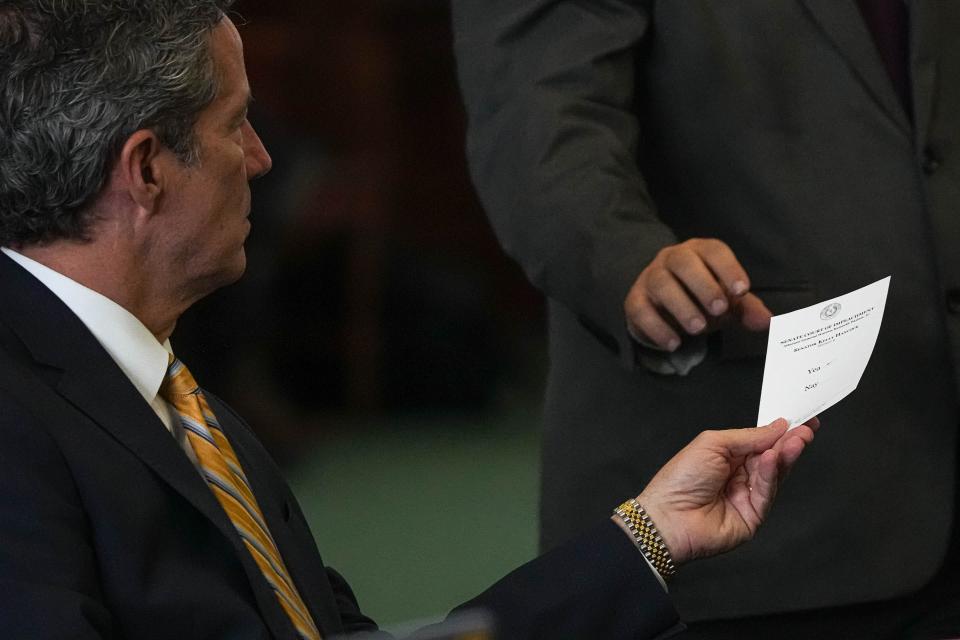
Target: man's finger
column 696, row 277
column 724, row 264
column 790, row 453
column 753, row 314
column 764, row 481
column 645, row 319
column 743, row 442
column 667, row 293
column 792, row 444
column 803, row 432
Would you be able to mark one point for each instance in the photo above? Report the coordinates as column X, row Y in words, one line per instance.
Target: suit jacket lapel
column 927, row 22
column 92, row 382
column 110, row 401
column 844, row 26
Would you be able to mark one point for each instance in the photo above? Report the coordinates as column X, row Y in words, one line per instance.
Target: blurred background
column 386, row 351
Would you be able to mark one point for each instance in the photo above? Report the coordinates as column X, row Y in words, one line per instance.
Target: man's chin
column 239, row 268
column 229, row 274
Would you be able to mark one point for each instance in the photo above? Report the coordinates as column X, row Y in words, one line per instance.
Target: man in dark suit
column 133, row 504
column 671, row 172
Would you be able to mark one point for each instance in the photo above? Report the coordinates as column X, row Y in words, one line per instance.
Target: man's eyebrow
column 241, row 113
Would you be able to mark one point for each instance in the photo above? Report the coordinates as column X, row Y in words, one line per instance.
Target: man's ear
column 140, row 168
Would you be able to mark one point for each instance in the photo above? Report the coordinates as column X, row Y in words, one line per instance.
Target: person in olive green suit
column 669, row 173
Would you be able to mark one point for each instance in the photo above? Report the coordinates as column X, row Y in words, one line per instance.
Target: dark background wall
column 384, row 348
column 374, row 282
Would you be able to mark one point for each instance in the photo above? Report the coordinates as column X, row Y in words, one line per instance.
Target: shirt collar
column 131, row 345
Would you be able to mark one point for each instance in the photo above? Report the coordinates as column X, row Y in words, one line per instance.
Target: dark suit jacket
column 603, row 130
column 108, row 531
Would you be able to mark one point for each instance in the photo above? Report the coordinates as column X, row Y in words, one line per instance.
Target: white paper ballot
column 816, row 355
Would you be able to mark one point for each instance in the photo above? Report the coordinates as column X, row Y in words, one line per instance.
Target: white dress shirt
column 138, row 353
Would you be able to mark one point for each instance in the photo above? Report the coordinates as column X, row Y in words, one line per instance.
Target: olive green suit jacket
column 601, row 131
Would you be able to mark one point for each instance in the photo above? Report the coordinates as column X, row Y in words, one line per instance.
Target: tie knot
column 179, row 381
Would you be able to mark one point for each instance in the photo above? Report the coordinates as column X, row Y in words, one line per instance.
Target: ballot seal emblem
column 830, row 311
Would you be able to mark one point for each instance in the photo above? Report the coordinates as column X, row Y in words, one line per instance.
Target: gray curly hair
column 77, row 78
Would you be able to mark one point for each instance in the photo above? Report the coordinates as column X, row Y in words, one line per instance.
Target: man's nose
column 258, row 159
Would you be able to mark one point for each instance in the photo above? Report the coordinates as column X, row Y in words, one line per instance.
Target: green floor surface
column 422, row 514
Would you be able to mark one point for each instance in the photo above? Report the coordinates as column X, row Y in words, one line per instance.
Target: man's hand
column 689, row 288
column 715, row 493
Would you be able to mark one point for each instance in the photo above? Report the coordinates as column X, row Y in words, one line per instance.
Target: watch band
column 646, row 537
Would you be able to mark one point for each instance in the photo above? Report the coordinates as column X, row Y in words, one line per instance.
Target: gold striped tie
column 226, row 479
